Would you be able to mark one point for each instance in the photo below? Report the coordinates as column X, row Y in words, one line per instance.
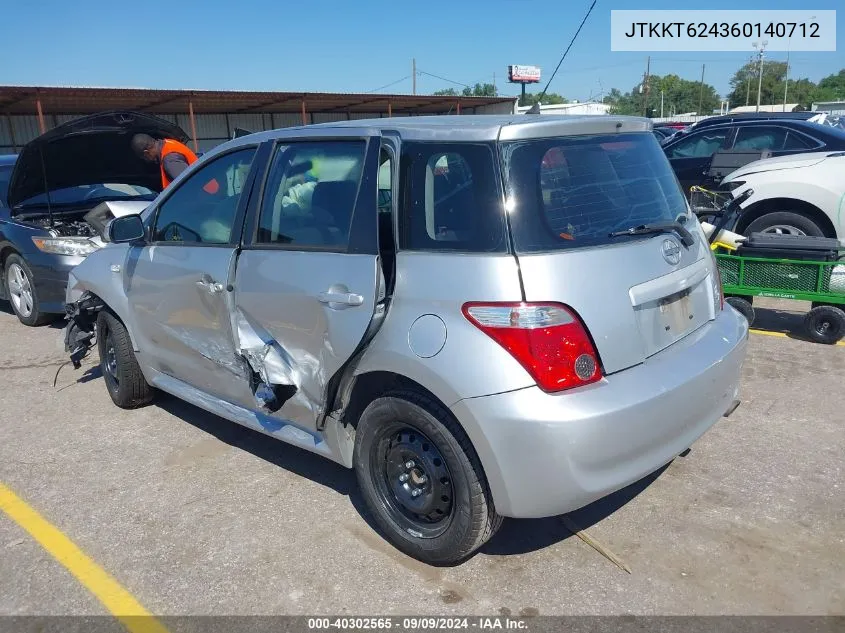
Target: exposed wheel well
column 759, row 209
column 371, row 385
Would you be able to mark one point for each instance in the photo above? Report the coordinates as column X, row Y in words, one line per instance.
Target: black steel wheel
column 412, row 479
column 421, row 478
column 825, row 324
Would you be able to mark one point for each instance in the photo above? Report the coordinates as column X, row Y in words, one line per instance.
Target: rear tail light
column 547, row 339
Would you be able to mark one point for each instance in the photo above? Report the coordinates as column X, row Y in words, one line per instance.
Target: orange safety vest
column 169, row 146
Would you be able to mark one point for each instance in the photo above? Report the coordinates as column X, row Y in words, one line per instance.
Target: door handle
column 211, row 286
column 340, row 298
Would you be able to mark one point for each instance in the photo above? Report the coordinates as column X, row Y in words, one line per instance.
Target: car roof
column 483, row 127
column 756, row 116
column 812, row 129
column 7, row 159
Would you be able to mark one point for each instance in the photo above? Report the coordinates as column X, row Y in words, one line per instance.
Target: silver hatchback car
column 484, row 316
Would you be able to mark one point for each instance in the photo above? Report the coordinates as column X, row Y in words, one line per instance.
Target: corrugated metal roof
column 79, row 100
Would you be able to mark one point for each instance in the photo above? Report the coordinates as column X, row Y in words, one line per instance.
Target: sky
column 353, row 46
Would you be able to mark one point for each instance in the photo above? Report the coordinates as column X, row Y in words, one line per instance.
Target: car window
column 795, row 140
column 310, row 194
column 454, row 202
column 5, row 175
column 202, row 209
column 760, row 138
column 700, row 145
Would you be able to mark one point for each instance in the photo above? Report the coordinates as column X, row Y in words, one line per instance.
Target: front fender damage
column 80, row 332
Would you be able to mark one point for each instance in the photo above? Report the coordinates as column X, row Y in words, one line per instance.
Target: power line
column 392, row 83
column 457, row 83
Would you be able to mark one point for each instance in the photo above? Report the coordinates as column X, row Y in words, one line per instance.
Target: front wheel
column 422, row 480
column 124, row 381
column 20, row 286
column 785, row 223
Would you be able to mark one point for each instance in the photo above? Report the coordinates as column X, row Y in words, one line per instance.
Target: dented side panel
column 178, row 298
column 290, row 330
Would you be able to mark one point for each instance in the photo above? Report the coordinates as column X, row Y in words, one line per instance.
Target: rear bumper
column 547, row 454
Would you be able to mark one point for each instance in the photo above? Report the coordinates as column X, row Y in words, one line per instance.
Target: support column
column 41, row 125
column 12, row 134
column 304, row 114
column 459, row 107
column 389, row 108
column 193, row 124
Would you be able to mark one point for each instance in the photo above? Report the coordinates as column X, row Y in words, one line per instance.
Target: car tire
column 124, row 381
column 788, row 222
column 406, row 442
column 744, row 307
column 825, row 324
column 22, row 293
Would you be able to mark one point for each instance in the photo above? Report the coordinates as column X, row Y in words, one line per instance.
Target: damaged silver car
column 485, row 317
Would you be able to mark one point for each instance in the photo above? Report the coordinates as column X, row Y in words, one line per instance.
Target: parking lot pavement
column 195, row 515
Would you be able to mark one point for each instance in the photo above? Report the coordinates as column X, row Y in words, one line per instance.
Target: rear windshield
column 571, row 192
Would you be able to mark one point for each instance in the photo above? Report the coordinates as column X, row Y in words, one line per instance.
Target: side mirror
column 127, row 228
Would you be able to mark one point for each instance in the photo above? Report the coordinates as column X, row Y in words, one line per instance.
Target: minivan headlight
column 75, row 246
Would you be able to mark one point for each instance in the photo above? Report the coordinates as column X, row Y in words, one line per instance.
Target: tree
column 478, row 90
column 679, row 95
column 550, row 98
column 831, row 88
column 745, row 80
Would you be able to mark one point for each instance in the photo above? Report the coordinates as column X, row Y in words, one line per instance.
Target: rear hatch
column 568, row 199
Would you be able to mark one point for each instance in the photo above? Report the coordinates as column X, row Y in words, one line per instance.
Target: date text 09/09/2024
column 723, row 29
column 417, row 623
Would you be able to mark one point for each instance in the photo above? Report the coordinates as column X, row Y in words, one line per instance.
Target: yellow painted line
column 767, row 333
column 119, row 602
column 783, row 335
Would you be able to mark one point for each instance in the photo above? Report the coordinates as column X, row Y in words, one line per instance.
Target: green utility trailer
column 820, row 282
column 796, row 267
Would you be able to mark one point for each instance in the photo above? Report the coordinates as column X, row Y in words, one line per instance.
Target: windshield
column 5, row 174
column 89, row 193
column 572, row 192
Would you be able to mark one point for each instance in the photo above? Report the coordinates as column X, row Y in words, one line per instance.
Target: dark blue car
column 58, row 194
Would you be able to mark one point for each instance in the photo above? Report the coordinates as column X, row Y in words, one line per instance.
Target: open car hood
column 89, row 150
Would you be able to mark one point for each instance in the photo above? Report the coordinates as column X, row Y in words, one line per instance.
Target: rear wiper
column 659, row 227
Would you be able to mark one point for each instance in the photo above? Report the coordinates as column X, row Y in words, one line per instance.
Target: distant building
column 587, row 107
column 834, row 107
column 778, row 107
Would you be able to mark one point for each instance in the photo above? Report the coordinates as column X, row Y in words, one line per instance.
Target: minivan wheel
column 122, row 374
column 20, row 288
column 422, row 480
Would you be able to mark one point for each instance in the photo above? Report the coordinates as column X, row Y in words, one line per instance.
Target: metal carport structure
column 210, row 116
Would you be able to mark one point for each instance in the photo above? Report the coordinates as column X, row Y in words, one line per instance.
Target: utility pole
column 701, row 91
column 661, row 104
column 414, row 73
column 645, row 86
column 786, row 80
column 494, row 83
column 761, row 47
